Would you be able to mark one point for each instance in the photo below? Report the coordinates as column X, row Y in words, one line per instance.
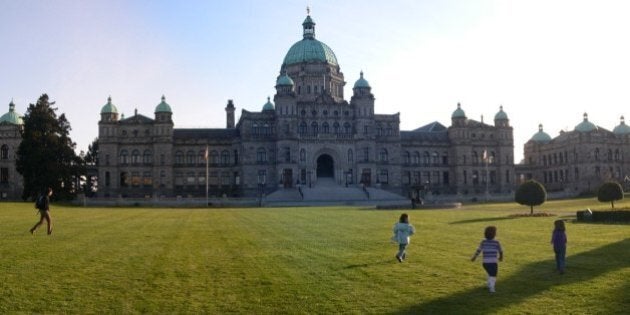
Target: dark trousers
column 491, row 268
column 44, row 216
column 560, row 255
column 401, row 251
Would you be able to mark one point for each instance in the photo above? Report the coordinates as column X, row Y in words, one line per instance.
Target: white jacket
column 402, row 231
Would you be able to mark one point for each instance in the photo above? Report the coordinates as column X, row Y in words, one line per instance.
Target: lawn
column 306, row 260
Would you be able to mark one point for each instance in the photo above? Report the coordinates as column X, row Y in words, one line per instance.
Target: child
column 492, row 251
column 559, row 241
column 402, row 231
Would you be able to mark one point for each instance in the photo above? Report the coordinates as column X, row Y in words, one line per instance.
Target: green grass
column 306, row 260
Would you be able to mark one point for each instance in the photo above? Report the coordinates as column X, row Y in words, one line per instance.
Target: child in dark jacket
column 559, row 242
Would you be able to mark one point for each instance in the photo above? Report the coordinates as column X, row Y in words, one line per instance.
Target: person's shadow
column 532, row 280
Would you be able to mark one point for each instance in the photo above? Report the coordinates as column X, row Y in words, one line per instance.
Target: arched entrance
column 325, row 166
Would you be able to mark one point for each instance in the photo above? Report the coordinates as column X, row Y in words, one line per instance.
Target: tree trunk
column 531, row 210
column 612, row 203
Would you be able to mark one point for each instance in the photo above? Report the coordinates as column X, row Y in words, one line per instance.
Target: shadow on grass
column 533, row 279
column 376, row 263
column 483, row 220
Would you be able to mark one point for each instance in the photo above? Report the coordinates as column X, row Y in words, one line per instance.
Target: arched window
column 135, row 157
column 190, row 157
column 407, row 158
column 314, row 128
column 4, row 152
column 336, row 127
column 350, row 156
column 610, row 155
column 302, row 155
column 435, row 158
column 179, row 157
column 475, row 159
column 596, row 154
column 617, row 156
column 416, row 157
column 214, row 157
column 325, row 128
column 225, row 157
column 261, row 155
column 382, row 155
column 347, row 128
column 426, row 158
column 302, row 128
column 201, row 157
column 147, row 157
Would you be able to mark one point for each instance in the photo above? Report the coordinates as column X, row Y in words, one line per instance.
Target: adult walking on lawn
column 43, row 206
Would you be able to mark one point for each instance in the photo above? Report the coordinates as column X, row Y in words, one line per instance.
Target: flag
column 485, row 155
column 205, row 155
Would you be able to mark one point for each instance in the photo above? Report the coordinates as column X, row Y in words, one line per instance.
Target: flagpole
column 206, row 156
column 486, row 158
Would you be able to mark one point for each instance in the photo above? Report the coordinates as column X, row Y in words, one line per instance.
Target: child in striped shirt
column 492, row 254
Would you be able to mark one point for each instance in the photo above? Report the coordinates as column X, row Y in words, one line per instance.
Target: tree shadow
column 483, row 220
column 376, row 263
column 530, row 280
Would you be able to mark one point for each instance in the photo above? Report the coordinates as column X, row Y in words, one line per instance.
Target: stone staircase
column 326, row 192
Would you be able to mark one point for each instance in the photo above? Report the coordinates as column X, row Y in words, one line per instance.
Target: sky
column 546, row 62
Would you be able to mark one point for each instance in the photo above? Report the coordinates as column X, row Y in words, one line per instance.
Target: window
column 214, row 157
column 135, row 157
column 383, row 177
column 347, row 128
column 406, row 158
column 314, row 128
column 382, row 155
column 261, row 155
column 123, row 157
column 325, row 128
column 179, row 157
column 336, row 127
column 225, row 157
column 435, row 158
column 107, row 179
column 475, row 158
column 4, row 152
column 302, row 128
column 416, row 157
column 350, row 156
column 147, row 157
column 262, row 177
column 425, row 158
column 366, row 154
column 201, row 157
column 4, row 175
column 302, row 155
column 147, row 179
column 287, row 154
column 190, row 157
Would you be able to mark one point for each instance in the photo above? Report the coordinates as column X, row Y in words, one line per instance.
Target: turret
column 229, row 111
column 109, row 112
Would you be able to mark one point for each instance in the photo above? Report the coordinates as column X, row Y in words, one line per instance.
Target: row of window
column 4, row 152
column 560, row 158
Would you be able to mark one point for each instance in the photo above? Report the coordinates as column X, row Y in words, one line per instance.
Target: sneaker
column 491, row 290
column 399, row 258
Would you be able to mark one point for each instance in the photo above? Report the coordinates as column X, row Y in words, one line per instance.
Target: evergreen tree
column 46, row 156
column 610, row 191
column 91, row 163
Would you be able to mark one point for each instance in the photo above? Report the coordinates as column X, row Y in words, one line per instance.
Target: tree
column 90, row 185
column 46, row 156
column 531, row 193
column 610, row 191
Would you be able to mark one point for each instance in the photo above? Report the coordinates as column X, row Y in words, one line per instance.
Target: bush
column 604, row 216
column 531, row 193
column 609, row 192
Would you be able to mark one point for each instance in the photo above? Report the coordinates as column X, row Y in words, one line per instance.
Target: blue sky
column 545, row 61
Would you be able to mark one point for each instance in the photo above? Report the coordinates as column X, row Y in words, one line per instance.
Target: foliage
column 604, row 216
column 304, row 260
column 610, row 192
column 91, row 157
column 531, row 193
column 46, row 156
column 90, row 185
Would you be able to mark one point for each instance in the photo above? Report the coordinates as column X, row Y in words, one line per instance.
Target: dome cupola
column 309, row 49
column 109, row 108
column 459, row 112
column 541, row 136
column 585, row 125
column 268, row 106
column 501, row 115
column 163, row 107
column 285, row 80
column 622, row 128
column 11, row 117
column 361, row 83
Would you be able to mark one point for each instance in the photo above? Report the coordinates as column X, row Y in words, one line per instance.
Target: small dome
column 285, row 80
column 501, row 115
column 459, row 112
column 622, row 128
column 309, row 49
column 361, row 83
column 109, row 107
column 163, row 107
column 541, row 136
column 268, row 105
column 585, row 126
column 11, row 117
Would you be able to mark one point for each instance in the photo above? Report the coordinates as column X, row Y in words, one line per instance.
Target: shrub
column 604, row 216
column 610, row 191
column 530, row 193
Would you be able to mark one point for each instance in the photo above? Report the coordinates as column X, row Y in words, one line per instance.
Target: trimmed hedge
column 604, row 216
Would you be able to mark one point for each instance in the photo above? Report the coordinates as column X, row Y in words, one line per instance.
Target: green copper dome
column 163, row 107
column 541, row 136
column 585, row 126
column 309, row 49
column 268, row 105
column 622, row 128
column 285, row 80
column 109, row 107
column 501, row 115
column 11, row 117
column 459, row 112
column 361, row 83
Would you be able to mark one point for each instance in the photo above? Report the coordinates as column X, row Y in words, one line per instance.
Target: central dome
column 309, row 49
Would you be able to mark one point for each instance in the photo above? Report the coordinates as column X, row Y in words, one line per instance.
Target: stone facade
column 578, row 161
column 310, row 133
column 11, row 182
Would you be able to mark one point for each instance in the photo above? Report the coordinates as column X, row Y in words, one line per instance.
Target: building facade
column 11, row 182
column 310, row 133
column 578, row 161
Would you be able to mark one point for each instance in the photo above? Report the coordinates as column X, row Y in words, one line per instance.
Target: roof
column 309, row 49
column 163, row 107
column 11, row 117
column 214, row 133
column 459, row 112
column 430, row 132
column 361, row 83
column 432, row 127
column 109, row 107
column 585, row 125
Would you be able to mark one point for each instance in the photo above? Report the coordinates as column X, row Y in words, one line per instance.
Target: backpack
column 39, row 202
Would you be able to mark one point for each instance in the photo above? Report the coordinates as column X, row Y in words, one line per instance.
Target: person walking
column 492, row 254
column 559, row 242
column 44, row 211
column 402, row 231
